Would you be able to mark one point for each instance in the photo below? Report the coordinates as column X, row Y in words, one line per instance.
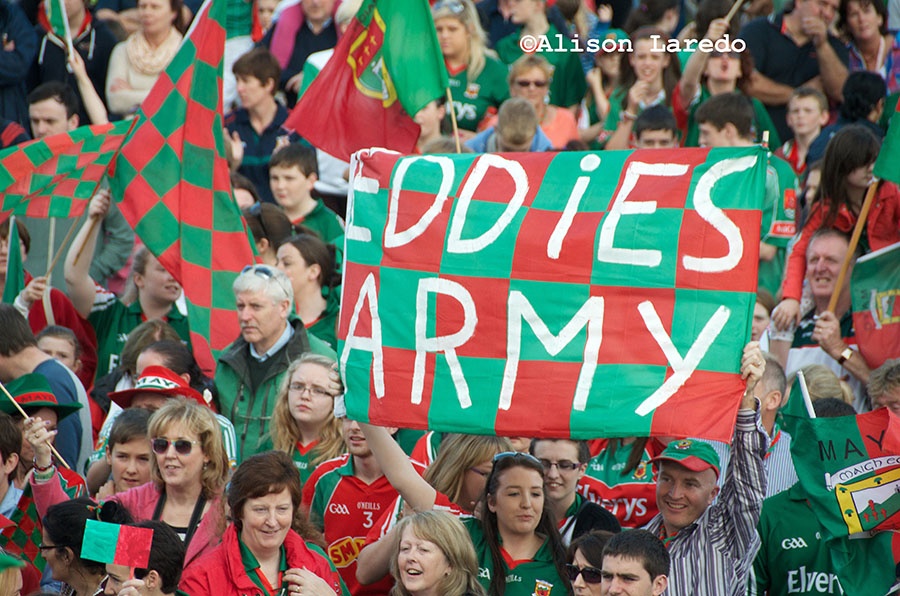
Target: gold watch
column 846, row 355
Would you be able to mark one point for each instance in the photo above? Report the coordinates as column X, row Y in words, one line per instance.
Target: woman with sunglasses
column 586, row 562
column 434, row 557
column 476, row 75
column 311, row 265
column 453, row 483
column 61, row 538
column 188, row 471
column 303, row 423
column 151, row 294
column 270, row 227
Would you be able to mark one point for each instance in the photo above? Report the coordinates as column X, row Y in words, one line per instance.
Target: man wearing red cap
column 712, row 545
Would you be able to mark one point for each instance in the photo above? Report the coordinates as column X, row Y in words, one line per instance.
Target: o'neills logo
column 367, row 63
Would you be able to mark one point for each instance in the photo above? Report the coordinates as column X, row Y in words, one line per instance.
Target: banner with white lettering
column 551, row 294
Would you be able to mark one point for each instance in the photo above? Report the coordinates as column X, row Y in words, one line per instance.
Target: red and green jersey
column 778, row 225
column 632, row 497
column 345, row 508
column 473, row 99
column 426, row 449
column 394, row 514
column 523, row 578
column 324, row 222
column 303, row 460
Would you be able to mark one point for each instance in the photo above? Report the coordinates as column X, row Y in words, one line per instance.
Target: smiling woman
column 261, row 550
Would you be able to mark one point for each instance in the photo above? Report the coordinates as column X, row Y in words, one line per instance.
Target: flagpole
column 24, row 415
column 62, row 246
column 453, row 120
column 804, row 391
column 734, row 8
column 854, row 240
column 51, row 240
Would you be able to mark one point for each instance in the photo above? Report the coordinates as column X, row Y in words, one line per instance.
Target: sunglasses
column 454, row 6
column 256, row 211
column 525, row 84
column 591, row 575
column 506, row 454
column 563, row 465
column 268, row 273
column 182, row 446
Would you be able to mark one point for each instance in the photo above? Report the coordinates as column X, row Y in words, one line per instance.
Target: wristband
column 626, row 115
column 38, row 468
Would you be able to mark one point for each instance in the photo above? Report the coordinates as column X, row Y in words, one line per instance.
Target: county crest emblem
column 367, row 62
column 542, row 588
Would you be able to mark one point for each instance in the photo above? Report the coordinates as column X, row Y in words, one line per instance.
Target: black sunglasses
column 182, row 446
column 591, row 575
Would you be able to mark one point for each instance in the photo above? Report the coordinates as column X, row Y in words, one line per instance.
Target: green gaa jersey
column 472, row 99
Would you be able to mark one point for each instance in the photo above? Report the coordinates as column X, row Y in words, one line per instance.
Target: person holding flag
column 162, row 573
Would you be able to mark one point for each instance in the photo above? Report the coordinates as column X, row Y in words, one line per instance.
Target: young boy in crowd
column 655, row 128
column 293, row 171
column 61, row 343
column 807, row 114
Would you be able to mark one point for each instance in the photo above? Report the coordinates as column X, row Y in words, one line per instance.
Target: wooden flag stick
column 734, row 8
column 24, row 415
column 453, row 120
column 854, row 240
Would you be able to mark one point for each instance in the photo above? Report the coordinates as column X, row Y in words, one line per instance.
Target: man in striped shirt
column 712, row 545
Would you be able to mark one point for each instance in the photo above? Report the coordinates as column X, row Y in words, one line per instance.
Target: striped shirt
column 713, row 555
column 780, row 472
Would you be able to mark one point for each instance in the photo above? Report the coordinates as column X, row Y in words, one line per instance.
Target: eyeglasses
column 314, row 390
column 524, row 84
column 514, row 454
column 454, row 6
column 44, row 547
column 182, row 446
column 269, row 274
column 481, row 473
column 591, row 575
column 563, row 465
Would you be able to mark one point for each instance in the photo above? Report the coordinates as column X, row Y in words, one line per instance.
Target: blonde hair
column 477, row 38
column 201, row 421
column 9, row 579
column 451, row 537
column 284, row 431
column 458, row 453
column 822, row 382
column 526, row 63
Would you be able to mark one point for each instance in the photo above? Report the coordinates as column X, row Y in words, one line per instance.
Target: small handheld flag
column 115, row 544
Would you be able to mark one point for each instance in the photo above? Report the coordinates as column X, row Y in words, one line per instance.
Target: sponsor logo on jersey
column 345, row 550
column 484, row 573
column 791, row 543
column 542, row 588
column 801, row 581
column 369, row 506
column 338, row 509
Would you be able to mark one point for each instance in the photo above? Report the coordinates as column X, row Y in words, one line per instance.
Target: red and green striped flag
column 57, row 176
column 386, row 67
column 58, row 19
column 115, row 544
column 551, row 294
column 15, row 270
column 172, row 183
column 875, row 295
column 887, row 166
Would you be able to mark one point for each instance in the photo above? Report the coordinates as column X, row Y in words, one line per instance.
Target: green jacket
column 249, row 411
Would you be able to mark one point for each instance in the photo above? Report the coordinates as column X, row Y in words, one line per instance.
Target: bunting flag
column 57, row 176
column 875, row 295
column 386, row 67
column 887, row 166
column 15, row 270
column 172, row 184
column 551, row 294
column 115, row 544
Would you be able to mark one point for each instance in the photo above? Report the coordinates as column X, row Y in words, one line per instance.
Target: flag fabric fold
column 58, row 20
column 57, row 176
column 875, row 295
column 887, row 166
column 15, row 270
column 172, row 184
column 386, row 67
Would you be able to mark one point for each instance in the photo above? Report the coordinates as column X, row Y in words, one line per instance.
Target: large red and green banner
column 875, row 294
column 887, row 166
column 850, row 468
column 551, row 294
column 173, row 186
column 386, row 67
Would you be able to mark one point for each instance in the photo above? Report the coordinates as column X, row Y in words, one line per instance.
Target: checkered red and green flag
column 57, row 176
column 173, row 185
column 551, row 294
column 887, row 166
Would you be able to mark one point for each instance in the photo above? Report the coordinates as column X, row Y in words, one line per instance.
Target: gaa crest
column 367, row 63
column 683, row 444
column 542, row 588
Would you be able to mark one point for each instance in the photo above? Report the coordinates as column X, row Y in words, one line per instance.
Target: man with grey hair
column 252, row 369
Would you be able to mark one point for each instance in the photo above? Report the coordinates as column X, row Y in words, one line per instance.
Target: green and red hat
column 158, row 380
column 693, row 454
column 32, row 392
